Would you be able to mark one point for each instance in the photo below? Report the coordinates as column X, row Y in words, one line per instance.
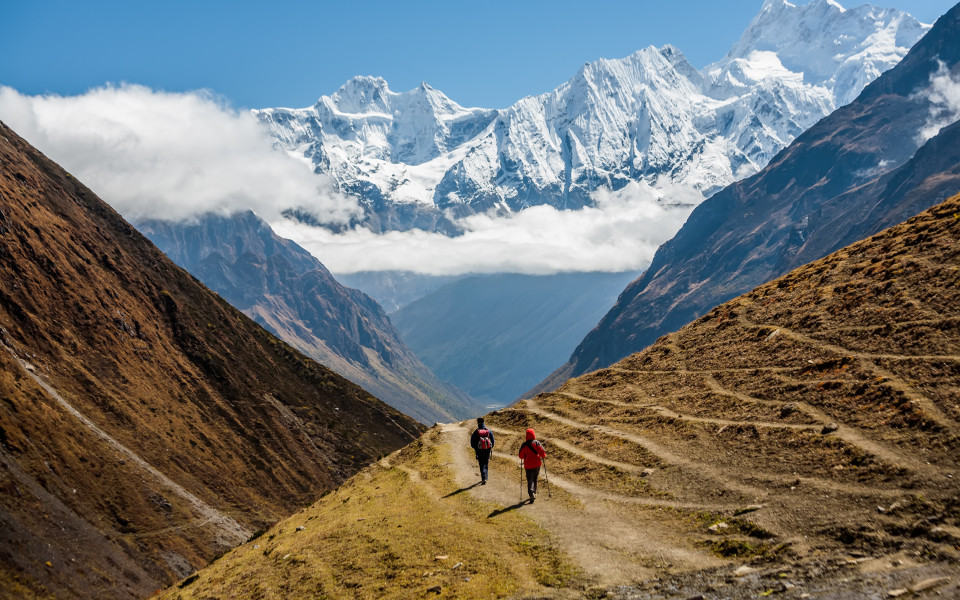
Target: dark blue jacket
column 475, row 439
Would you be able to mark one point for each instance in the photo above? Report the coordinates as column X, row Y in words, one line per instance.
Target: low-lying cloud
column 620, row 233
column 944, row 96
column 173, row 156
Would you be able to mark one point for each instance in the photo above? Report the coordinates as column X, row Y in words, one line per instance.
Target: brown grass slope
column 145, row 425
column 802, row 438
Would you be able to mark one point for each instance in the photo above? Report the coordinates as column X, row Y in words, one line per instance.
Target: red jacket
column 532, row 452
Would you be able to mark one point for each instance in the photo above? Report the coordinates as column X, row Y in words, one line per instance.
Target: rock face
column 418, row 160
column 850, row 175
column 145, row 424
column 289, row 292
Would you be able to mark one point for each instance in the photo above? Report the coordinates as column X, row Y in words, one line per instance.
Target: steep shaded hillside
column 145, row 424
column 288, row 291
column 762, row 227
column 496, row 336
column 801, row 440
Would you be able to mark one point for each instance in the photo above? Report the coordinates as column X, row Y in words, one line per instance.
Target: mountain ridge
column 650, row 116
column 145, row 424
column 799, row 439
column 292, row 294
column 760, row 227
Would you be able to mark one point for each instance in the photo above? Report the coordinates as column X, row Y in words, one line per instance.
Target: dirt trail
column 682, row 417
column 866, row 361
column 719, row 479
column 845, row 433
column 230, row 531
column 612, row 547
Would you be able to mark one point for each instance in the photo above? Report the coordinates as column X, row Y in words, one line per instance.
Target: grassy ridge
column 462, row 547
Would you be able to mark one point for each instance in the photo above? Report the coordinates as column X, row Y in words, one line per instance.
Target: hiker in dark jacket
column 482, row 443
column 532, row 455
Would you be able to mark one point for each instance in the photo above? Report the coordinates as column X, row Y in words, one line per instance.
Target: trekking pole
column 521, row 481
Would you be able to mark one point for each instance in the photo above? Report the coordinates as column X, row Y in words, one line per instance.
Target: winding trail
column 230, row 531
column 610, row 545
column 719, row 479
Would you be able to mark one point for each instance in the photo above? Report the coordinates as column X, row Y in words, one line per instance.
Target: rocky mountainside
column 798, row 441
column 285, row 289
column 146, row 425
column 495, row 336
column 418, row 160
column 847, row 177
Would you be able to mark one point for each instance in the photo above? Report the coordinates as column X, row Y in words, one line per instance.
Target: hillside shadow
column 500, row 511
column 462, row 490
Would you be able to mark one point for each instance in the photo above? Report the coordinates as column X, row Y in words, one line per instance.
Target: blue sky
column 260, row 54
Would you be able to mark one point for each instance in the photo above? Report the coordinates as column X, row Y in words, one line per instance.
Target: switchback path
column 613, row 539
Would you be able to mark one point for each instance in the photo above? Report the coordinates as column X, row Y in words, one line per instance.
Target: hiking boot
column 483, row 482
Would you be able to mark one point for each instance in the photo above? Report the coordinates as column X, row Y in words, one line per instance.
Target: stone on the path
column 928, row 584
column 829, row 428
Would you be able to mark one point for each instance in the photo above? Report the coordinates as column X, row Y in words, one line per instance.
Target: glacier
column 419, row 160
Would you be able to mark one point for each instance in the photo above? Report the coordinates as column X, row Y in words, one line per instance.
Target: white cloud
column 621, row 233
column 173, row 156
column 944, row 96
column 154, row 154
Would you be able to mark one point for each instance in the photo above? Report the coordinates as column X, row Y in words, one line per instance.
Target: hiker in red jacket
column 532, row 455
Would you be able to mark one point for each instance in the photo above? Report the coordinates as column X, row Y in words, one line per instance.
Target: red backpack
column 485, row 443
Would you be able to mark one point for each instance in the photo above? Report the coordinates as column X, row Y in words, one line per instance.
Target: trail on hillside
column 611, row 543
column 231, row 532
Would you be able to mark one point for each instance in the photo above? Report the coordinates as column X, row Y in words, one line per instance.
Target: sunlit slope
column 806, row 433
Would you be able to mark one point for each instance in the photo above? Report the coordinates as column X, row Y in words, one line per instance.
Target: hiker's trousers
column 483, row 457
column 532, row 475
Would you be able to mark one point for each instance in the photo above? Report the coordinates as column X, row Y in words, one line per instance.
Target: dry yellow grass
column 400, row 529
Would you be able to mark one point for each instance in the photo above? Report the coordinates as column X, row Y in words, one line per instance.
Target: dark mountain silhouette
column 290, row 293
column 145, row 424
column 848, row 176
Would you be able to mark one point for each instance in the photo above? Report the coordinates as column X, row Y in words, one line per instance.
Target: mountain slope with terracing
column 799, row 439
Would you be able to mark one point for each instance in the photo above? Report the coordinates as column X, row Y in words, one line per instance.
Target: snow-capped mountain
column 419, row 160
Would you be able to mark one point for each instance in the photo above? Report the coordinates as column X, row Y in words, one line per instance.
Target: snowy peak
column 362, row 94
column 828, row 44
column 650, row 117
column 367, row 96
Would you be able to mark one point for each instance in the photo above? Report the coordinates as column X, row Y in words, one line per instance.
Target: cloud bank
column 944, row 96
column 620, row 233
column 175, row 156
column 172, row 156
